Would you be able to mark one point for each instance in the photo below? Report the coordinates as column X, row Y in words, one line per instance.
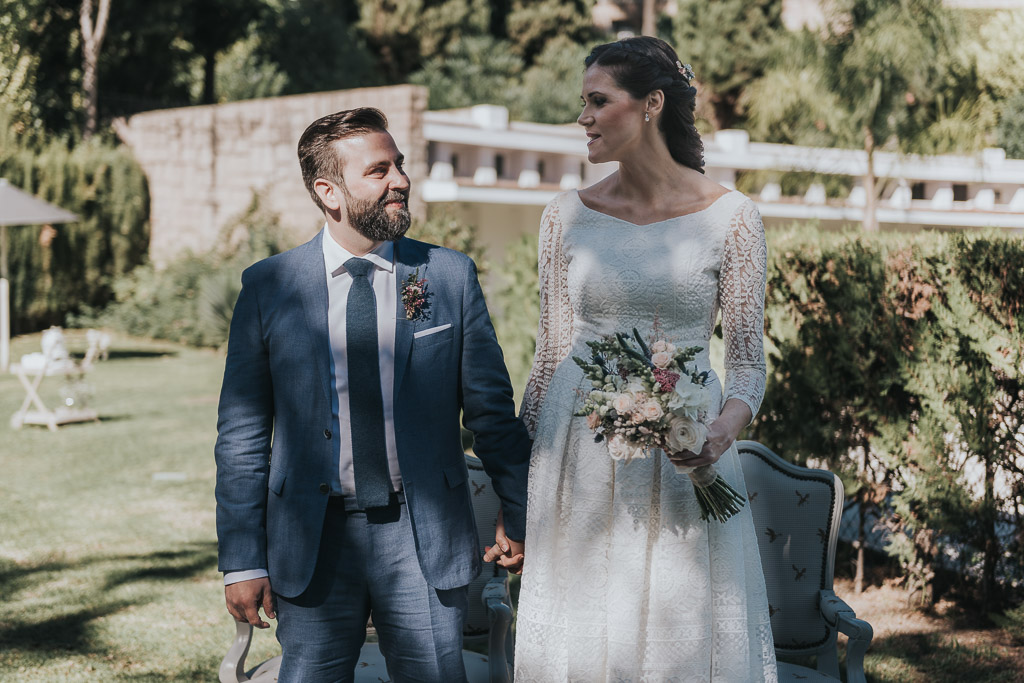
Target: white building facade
column 499, row 175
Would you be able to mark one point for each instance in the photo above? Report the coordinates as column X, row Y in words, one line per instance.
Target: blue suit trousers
column 368, row 565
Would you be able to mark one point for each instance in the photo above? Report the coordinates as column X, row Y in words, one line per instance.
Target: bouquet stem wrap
column 718, row 500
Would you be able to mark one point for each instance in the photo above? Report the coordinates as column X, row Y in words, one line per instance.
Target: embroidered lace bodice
column 599, row 274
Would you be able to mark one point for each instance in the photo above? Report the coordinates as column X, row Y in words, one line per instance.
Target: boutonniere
column 414, row 296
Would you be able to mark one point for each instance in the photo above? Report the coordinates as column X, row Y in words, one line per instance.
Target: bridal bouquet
column 645, row 398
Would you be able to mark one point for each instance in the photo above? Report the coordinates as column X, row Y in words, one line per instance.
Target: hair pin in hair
column 686, row 70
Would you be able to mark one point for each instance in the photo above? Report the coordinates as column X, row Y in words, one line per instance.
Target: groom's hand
column 245, row 598
column 506, row 552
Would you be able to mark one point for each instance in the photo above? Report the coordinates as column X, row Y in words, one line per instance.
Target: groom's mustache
column 395, row 196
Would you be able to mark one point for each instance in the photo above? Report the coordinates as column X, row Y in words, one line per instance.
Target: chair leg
column 232, row 667
column 499, row 614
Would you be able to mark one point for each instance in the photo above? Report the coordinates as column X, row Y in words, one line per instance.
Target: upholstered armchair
column 796, row 512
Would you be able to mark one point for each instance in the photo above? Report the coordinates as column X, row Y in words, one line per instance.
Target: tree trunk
column 858, row 579
column 92, row 41
column 648, row 23
column 991, row 541
column 871, row 195
column 209, row 78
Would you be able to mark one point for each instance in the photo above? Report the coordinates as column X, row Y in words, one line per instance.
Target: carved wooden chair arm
column 841, row 616
column 232, row 667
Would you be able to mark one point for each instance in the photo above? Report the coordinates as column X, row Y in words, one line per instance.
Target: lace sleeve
column 554, row 332
column 741, row 293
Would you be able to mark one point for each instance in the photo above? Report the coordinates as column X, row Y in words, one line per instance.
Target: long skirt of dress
column 623, row 581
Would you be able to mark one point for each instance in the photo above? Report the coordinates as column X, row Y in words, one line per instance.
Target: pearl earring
column 647, row 116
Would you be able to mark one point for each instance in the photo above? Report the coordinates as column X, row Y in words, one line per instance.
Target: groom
column 342, row 488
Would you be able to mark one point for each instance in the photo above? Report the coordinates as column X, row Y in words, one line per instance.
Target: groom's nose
column 398, row 180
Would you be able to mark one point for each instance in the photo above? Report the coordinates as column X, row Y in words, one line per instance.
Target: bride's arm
column 554, row 331
column 741, row 294
column 741, row 288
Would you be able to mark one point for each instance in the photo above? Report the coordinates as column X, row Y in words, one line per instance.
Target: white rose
column 620, row 449
column 662, row 346
column 652, row 411
column 685, row 434
column 661, row 359
column 624, row 403
column 689, row 399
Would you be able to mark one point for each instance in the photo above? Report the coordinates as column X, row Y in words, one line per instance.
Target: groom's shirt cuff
column 247, row 575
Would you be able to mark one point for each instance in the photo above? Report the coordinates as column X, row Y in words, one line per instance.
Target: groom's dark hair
column 317, row 156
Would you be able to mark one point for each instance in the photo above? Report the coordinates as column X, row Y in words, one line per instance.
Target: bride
column 622, row 580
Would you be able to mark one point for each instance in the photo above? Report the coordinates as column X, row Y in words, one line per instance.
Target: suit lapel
column 312, row 285
column 404, row 327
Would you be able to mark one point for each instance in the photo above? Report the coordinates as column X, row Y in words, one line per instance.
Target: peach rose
column 652, row 411
column 624, row 403
column 661, row 359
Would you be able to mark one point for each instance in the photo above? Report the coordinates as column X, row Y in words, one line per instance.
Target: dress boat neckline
column 576, row 193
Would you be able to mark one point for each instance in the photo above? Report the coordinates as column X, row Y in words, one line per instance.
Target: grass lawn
column 107, row 568
column 108, row 565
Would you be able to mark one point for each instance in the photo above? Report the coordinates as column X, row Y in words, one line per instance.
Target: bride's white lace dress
column 623, row 581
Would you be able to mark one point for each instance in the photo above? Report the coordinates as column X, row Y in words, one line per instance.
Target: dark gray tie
column 365, row 402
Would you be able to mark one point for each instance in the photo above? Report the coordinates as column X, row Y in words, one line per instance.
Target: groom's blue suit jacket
column 276, row 451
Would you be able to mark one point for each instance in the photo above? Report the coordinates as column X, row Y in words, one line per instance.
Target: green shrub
column 896, row 361
column 191, row 299
column 515, row 303
column 1011, row 621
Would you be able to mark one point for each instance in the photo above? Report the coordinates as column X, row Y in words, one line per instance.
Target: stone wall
column 205, row 163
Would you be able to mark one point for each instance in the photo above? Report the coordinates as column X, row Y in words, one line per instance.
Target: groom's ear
column 329, row 194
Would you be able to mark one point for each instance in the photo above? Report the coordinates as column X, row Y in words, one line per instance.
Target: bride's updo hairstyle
column 644, row 64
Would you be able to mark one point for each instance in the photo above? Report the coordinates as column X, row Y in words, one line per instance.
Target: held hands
column 245, row 598
column 507, row 553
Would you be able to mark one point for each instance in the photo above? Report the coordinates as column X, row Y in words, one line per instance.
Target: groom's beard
column 372, row 221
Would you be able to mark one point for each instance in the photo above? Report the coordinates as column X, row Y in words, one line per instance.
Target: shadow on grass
column 94, row 578
column 167, row 566
column 125, row 354
column 63, row 633
column 939, row 658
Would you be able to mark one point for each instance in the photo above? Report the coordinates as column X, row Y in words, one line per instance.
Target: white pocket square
column 431, row 330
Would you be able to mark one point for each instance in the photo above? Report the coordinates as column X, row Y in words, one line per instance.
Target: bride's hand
column 506, row 552
column 717, row 442
column 721, row 434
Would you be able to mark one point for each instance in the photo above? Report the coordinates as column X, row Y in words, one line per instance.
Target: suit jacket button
column 327, row 433
column 324, row 488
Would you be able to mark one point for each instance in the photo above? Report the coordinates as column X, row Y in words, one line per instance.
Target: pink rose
column 593, row 420
column 662, row 346
column 661, row 359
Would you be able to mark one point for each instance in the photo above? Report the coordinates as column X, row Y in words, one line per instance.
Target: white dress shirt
column 383, row 279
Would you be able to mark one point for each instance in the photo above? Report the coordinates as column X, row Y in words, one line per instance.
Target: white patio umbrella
column 19, row 208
